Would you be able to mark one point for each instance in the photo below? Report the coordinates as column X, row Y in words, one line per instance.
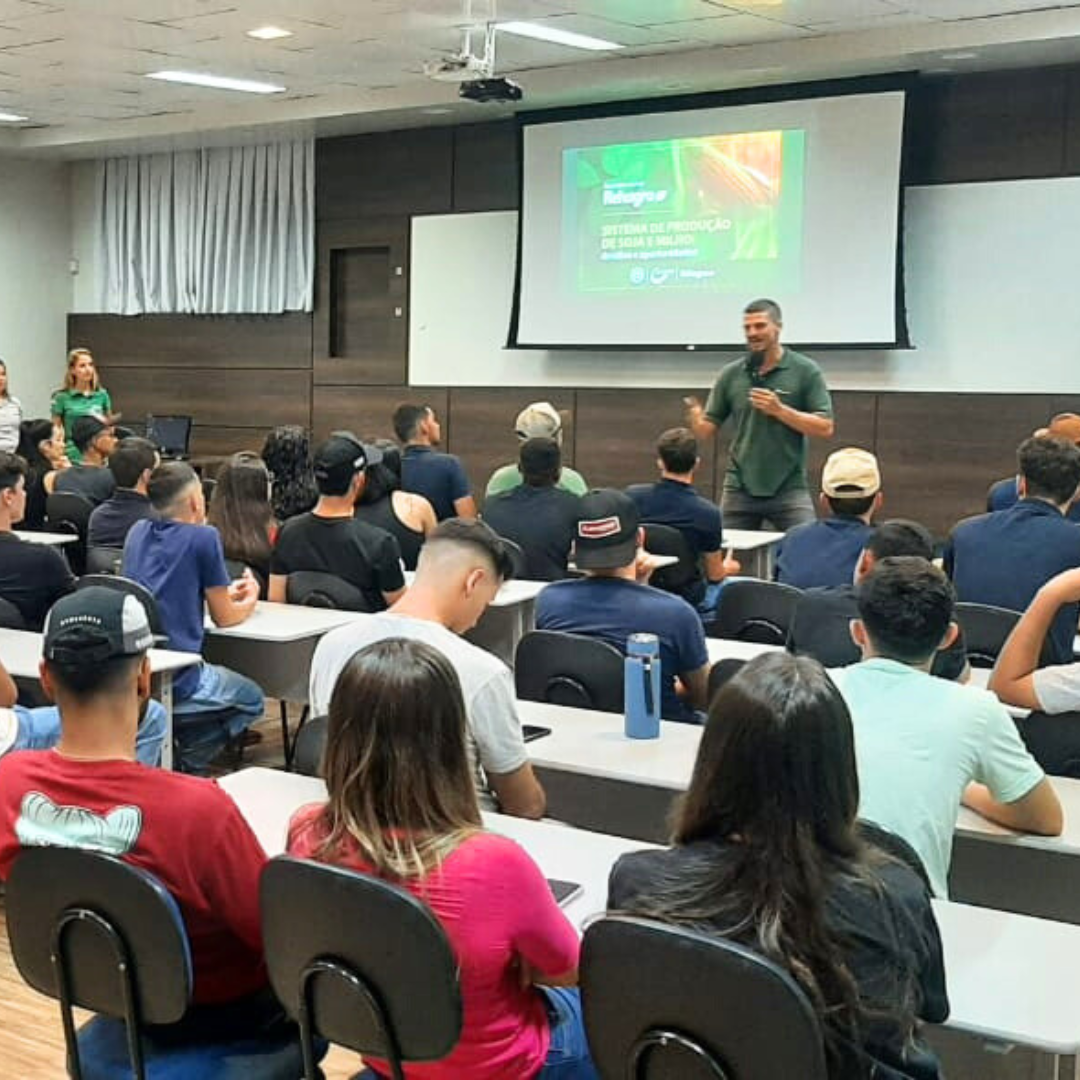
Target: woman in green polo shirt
column 82, row 395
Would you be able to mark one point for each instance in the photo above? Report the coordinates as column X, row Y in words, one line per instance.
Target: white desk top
column 284, row 622
column 749, row 539
column 1010, row 977
column 52, row 539
column 515, row 591
column 723, row 649
column 20, row 653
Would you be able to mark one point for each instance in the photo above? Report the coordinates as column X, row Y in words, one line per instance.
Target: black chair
column 308, row 747
column 752, row 610
column 707, row 1009
column 104, row 560
column 985, row 630
column 374, row 972
column 684, row 578
column 97, row 933
column 132, row 588
column 568, row 669
column 313, row 588
column 1053, row 741
column 66, row 512
column 721, row 672
column 517, row 557
column 11, row 618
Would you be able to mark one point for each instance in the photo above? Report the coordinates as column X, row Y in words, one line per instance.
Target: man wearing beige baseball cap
column 823, row 553
column 540, row 420
column 1005, row 493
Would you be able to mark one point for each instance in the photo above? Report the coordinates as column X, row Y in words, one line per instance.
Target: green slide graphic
column 716, row 213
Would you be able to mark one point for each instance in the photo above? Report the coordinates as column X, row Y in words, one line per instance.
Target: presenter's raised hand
column 694, row 410
column 766, row 401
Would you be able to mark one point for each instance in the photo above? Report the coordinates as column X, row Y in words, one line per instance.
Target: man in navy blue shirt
column 1004, row 558
column 673, row 501
column 612, row 601
column 1005, row 493
column 131, row 464
column 823, row 553
column 439, row 477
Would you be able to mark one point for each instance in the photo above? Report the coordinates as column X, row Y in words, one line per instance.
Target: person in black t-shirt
column 96, row 440
column 330, row 540
column 767, row 853
column 821, row 624
column 32, row 576
column 538, row 516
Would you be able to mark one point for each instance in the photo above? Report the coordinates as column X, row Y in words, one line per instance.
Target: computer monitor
column 170, row 434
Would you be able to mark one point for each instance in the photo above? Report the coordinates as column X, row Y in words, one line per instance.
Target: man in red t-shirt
column 89, row 792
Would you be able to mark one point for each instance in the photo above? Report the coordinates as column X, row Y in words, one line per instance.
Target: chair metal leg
column 290, row 746
column 285, row 747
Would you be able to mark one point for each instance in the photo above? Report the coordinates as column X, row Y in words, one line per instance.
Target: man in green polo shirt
column 777, row 399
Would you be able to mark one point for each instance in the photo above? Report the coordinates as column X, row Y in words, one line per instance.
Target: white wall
column 35, row 282
column 83, row 236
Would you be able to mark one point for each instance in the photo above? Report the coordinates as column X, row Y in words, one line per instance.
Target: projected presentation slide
column 715, row 213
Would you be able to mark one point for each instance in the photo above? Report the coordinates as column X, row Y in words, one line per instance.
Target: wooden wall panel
column 616, row 432
column 366, row 410
column 391, row 172
column 482, row 423
column 204, row 341
column 486, row 172
column 240, row 398
column 940, row 452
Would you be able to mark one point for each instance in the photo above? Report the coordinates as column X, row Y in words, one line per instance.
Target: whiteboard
column 992, row 274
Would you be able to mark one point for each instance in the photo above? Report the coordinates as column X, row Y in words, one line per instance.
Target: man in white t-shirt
column 461, row 566
column 924, row 744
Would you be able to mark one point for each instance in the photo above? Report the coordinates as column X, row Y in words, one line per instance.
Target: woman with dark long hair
column 766, row 852
column 287, row 453
column 44, row 457
column 402, row 806
column 408, row 517
column 240, row 511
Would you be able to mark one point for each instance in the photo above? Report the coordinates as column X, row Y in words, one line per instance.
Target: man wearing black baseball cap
column 330, row 540
column 89, row 792
column 95, row 439
column 613, row 601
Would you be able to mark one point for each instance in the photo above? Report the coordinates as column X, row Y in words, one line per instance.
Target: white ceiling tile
column 735, row 30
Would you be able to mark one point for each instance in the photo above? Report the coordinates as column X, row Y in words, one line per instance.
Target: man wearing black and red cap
column 613, row 601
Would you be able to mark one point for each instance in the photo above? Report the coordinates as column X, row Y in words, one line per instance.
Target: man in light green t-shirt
column 540, row 420
column 777, row 398
column 923, row 745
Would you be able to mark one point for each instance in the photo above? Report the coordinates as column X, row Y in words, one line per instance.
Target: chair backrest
column 374, row 972
column 66, row 512
column 11, row 618
column 684, row 578
column 569, row 669
column 985, row 630
column 92, row 910
column 132, row 588
column 313, row 588
column 721, row 672
column 752, row 610
column 104, row 560
column 517, row 557
column 309, row 746
column 708, row 1009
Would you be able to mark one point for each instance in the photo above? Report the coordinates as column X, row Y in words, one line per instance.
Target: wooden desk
column 1011, row 978
column 20, row 651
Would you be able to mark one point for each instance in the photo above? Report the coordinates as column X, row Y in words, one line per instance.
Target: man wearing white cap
column 540, row 420
column 823, row 553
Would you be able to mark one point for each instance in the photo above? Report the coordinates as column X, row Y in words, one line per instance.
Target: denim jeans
column 782, row 512
column 568, row 1055
column 39, row 729
column 221, row 707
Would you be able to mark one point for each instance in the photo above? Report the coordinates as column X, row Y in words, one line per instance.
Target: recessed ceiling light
column 541, row 32
column 12, row 118
column 216, row 82
column 438, row 111
column 958, row 56
column 269, row 33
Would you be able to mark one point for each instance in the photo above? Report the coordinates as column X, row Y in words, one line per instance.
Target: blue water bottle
column 642, row 686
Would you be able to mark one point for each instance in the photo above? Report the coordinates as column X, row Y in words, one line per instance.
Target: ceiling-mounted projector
column 457, row 68
column 484, row 90
column 476, row 74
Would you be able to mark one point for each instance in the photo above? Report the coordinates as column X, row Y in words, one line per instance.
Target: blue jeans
column 568, row 1055
column 39, row 729
column 222, row 705
column 783, row 512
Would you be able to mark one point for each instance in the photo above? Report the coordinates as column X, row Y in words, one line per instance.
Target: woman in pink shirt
column 402, row 805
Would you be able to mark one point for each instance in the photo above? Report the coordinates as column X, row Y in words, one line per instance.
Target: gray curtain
column 216, row 231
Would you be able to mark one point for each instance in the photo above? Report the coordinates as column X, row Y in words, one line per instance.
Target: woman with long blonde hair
column 402, row 806
column 81, row 395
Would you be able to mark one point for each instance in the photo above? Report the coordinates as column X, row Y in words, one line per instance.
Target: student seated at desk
column 766, row 853
column 924, row 744
column 240, row 510
column 131, row 464
column 178, row 557
column 402, row 806
column 612, row 601
column 331, row 540
column 91, row 792
column 32, row 576
column 461, row 568
column 89, row 476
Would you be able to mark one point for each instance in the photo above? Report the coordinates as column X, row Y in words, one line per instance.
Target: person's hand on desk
column 245, row 589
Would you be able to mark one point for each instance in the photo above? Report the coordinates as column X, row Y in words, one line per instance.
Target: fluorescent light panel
column 216, row 82
column 269, row 33
column 12, row 118
column 542, row 32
